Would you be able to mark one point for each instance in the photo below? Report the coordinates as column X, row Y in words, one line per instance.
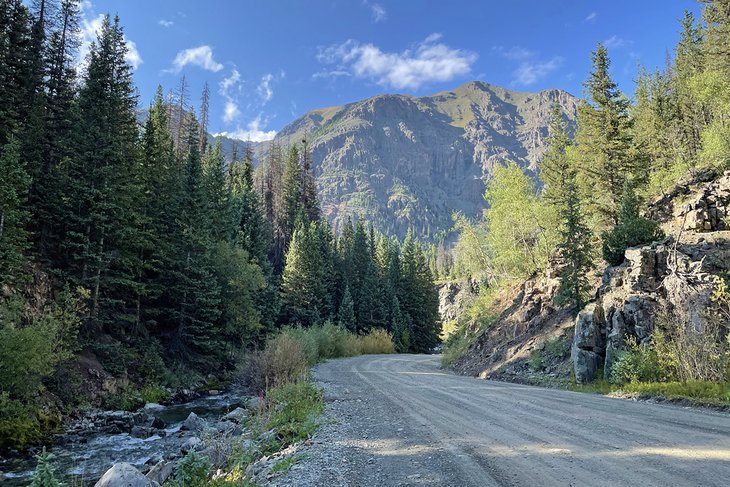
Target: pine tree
column 309, row 185
column 14, row 215
column 192, row 291
column 303, row 288
column 575, row 249
column 292, row 194
column 555, row 164
column 603, row 140
column 44, row 475
column 346, row 313
column 717, row 42
column 102, row 242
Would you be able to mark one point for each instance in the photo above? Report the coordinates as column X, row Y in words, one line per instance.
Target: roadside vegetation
column 587, row 212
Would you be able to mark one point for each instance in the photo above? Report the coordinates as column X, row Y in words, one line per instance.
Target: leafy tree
column 521, row 228
column 631, row 229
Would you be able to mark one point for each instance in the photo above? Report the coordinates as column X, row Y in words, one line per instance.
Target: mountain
column 400, row 161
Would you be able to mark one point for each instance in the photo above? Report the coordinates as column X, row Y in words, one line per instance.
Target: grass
column 700, row 393
column 286, row 464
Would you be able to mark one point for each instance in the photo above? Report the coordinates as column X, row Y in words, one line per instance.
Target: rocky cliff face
column 673, row 279
column 400, row 161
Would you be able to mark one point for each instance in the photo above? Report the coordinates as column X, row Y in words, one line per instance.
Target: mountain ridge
column 401, row 161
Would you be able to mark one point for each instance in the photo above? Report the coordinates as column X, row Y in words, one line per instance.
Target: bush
column 292, row 410
column 638, row 363
column 376, row 342
column 155, row 394
column 127, row 398
column 632, row 229
column 192, row 470
column 282, row 361
column 536, row 362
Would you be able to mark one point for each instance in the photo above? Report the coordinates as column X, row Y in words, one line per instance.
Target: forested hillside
column 629, row 231
column 142, row 250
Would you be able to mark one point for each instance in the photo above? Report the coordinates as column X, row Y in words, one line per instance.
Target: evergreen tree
column 604, row 141
column 101, row 241
column 14, row 215
column 292, row 193
column 346, row 314
column 303, row 288
column 309, row 185
column 575, row 249
column 555, row 164
column 44, row 475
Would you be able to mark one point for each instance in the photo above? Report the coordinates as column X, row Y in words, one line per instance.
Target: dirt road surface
column 398, row 420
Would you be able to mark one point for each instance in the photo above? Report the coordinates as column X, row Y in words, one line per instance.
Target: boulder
column 160, row 472
column 589, row 328
column 124, row 475
column 237, row 415
column 585, row 364
column 191, row 444
column 193, row 423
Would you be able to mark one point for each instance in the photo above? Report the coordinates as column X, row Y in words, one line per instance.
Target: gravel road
column 397, row 420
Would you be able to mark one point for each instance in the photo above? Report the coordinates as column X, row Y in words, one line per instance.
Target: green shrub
column 701, row 391
column 638, row 363
column 127, row 398
column 536, row 362
column 632, row 229
column 154, row 394
column 292, row 410
column 557, row 347
column 376, row 342
column 192, row 470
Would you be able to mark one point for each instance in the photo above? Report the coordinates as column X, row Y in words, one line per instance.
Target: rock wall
column 671, row 278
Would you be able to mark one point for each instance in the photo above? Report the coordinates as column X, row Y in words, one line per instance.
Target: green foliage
column 638, row 363
column 14, row 215
column 293, row 410
column 30, row 347
column 575, row 247
column 154, row 394
column 521, row 228
column 536, row 362
column 630, row 231
column 44, row 475
column 192, row 470
column 21, row 424
column 126, row 398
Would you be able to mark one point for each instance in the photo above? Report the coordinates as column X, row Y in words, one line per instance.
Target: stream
column 83, row 462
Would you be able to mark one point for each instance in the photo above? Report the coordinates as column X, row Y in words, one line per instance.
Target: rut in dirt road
column 400, row 420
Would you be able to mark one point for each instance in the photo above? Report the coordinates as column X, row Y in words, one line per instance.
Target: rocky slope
column 400, row 161
column 533, row 341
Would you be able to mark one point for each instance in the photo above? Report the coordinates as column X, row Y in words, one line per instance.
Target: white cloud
column 165, row 23
column 90, row 28
column 378, row 11
column 530, row 72
column 264, row 88
column 252, row 132
column 201, row 56
column 228, row 89
column 515, row 53
column 591, row 17
column 429, row 61
column 616, row 42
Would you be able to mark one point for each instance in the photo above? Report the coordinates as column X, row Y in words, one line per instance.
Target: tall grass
column 287, row 356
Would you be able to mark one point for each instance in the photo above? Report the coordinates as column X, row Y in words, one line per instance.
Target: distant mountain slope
column 400, row 161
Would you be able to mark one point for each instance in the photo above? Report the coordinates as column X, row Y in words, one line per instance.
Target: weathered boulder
column 590, row 328
column 193, row 423
column 160, row 472
column 236, row 416
column 191, row 444
column 585, row 365
column 124, row 475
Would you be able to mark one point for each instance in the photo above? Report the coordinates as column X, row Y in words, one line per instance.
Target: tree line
column 141, row 242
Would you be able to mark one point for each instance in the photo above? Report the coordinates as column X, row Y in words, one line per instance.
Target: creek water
column 82, row 463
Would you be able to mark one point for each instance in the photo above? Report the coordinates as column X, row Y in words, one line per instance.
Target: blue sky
column 269, row 62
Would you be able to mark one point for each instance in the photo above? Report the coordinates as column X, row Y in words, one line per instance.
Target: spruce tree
column 575, row 249
column 303, row 288
column 14, row 215
column 346, row 313
column 604, row 141
column 555, row 164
